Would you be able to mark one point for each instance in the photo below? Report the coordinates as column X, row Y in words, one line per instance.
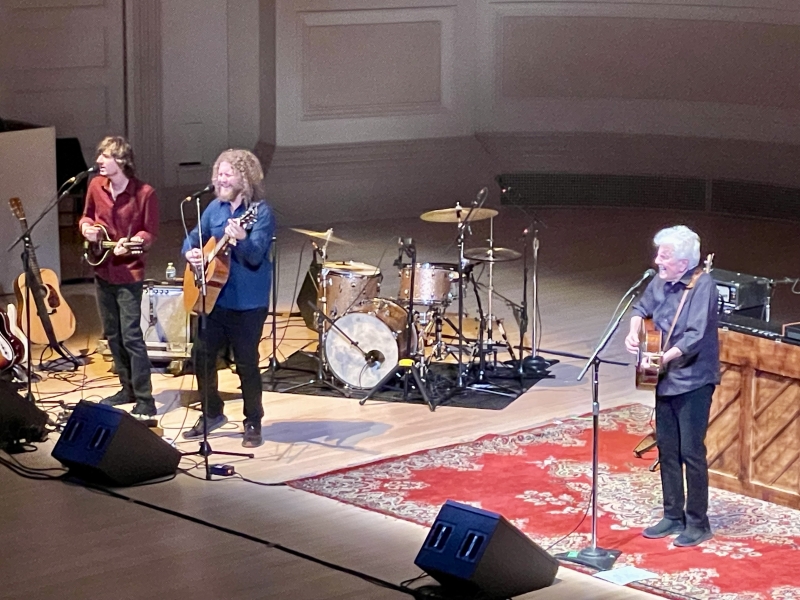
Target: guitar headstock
column 16, row 208
column 708, row 262
column 249, row 217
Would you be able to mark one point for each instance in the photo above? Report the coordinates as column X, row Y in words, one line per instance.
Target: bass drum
column 376, row 325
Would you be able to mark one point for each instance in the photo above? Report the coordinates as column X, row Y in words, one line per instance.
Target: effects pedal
column 222, row 470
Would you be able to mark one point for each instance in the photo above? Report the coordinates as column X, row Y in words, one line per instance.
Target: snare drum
column 376, row 324
column 347, row 284
column 432, row 283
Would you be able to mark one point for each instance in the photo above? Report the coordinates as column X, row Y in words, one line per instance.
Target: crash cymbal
column 491, row 254
column 322, row 235
column 452, row 215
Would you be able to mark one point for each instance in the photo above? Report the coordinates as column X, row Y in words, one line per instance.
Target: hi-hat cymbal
column 453, row 215
column 322, row 235
column 491, row 254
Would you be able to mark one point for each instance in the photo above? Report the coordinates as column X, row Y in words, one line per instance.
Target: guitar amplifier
column 746, row 295
column 166, row 325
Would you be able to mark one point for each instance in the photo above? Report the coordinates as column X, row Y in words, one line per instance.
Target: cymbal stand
column 408, row 365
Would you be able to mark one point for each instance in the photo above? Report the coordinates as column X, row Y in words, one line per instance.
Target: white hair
column 684, row 242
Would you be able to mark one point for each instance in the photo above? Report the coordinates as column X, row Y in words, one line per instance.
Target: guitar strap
column 695, row 276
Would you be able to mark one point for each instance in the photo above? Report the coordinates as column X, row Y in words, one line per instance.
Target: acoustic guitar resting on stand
column 216, row 263
column 649, row 356
column 95, row 253
column 52, row 320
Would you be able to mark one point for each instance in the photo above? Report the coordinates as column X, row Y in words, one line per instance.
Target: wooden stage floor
column 62, row 541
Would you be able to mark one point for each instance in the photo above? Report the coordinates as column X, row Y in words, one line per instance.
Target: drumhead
column 348, row 267
column 347, row 363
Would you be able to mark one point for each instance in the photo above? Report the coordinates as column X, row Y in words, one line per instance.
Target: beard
column 228, row 194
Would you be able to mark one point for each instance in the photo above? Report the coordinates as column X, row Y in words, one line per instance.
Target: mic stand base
column 594, row 557
column 407, row 367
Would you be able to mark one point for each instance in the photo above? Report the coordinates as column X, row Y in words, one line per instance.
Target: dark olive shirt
column 695, row 332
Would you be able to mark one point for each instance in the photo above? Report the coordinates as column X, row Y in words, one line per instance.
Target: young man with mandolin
column 122, row 207
column 237, row 229
column 683, row 304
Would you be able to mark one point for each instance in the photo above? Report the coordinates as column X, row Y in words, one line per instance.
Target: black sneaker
column 663, row 528
column 197, row 431
column 121, row 397
column 144, row 409
column 692, row 536
column 252, row 436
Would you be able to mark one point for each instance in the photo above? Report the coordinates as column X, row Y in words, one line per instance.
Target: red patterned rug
column 540, row 480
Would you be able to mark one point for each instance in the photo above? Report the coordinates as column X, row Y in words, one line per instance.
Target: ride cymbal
column 322, row 235
column 491, row 254
column 454, row 215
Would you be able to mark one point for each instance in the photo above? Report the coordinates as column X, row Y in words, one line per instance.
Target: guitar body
column 95, row 253
column 12, row 349
column 60, row 314
column 648, row 363
column 13, row 321
column 217, row 272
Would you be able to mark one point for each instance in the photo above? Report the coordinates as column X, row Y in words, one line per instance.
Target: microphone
column 645, row 276
column 399, row 261
column 374, row 356
column 205, row 190
column 82, row 175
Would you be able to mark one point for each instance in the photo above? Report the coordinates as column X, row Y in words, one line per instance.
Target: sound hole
column 471, row 547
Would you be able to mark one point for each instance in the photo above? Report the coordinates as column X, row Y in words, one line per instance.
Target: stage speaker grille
column 107, row 445
column 475, row 551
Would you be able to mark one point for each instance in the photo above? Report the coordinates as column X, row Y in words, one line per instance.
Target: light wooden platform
column 59, row 541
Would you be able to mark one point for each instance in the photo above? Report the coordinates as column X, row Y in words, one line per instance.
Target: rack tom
column 346, row 284
column 432, row 283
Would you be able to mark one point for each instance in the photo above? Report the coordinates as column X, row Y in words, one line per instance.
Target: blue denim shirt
column 695, row 333
column 250, row 279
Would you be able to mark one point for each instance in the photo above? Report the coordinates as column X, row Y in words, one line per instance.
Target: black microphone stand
column 274, row 364
column 407, row 364
column 205, row 449
column 594, row 556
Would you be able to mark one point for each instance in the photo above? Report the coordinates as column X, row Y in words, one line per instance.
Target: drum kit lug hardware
column 366, row 342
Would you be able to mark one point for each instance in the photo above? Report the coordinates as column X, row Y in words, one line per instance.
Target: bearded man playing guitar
column 683, row 303
column 125, row 208
column 237, row 317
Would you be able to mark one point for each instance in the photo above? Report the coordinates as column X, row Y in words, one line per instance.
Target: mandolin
column 52, row 320
column 651, row 344
column 95, row 253
column 216, row 263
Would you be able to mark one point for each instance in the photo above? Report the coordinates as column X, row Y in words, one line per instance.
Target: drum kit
column 367, row 342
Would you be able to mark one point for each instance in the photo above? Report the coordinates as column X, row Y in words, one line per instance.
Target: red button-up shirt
column 133, row 213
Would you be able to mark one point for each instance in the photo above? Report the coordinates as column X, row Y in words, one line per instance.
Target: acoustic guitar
column 216, row 264
column 651, row 350
column 52, row 320
column 12, row 349
column 95, row 253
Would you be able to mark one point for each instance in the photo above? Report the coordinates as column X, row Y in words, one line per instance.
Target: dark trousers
column 120, row 309
column 681, row 424
column 241, row 331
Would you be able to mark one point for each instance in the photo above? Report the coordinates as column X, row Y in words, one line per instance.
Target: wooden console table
column 754, row 432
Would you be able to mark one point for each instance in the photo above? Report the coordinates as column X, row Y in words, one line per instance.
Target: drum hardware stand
column 406, row 365
column 594, row 556
column 205, row 449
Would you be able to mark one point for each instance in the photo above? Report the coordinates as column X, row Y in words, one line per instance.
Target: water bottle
column 171, row 273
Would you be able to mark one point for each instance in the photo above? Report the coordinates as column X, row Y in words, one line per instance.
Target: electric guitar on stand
column 12, row 349
column 52, row 320
column 216, row 265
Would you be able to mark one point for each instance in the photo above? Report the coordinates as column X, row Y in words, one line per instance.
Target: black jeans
column 120, row 309
column 241, row 330
column 681, row 424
